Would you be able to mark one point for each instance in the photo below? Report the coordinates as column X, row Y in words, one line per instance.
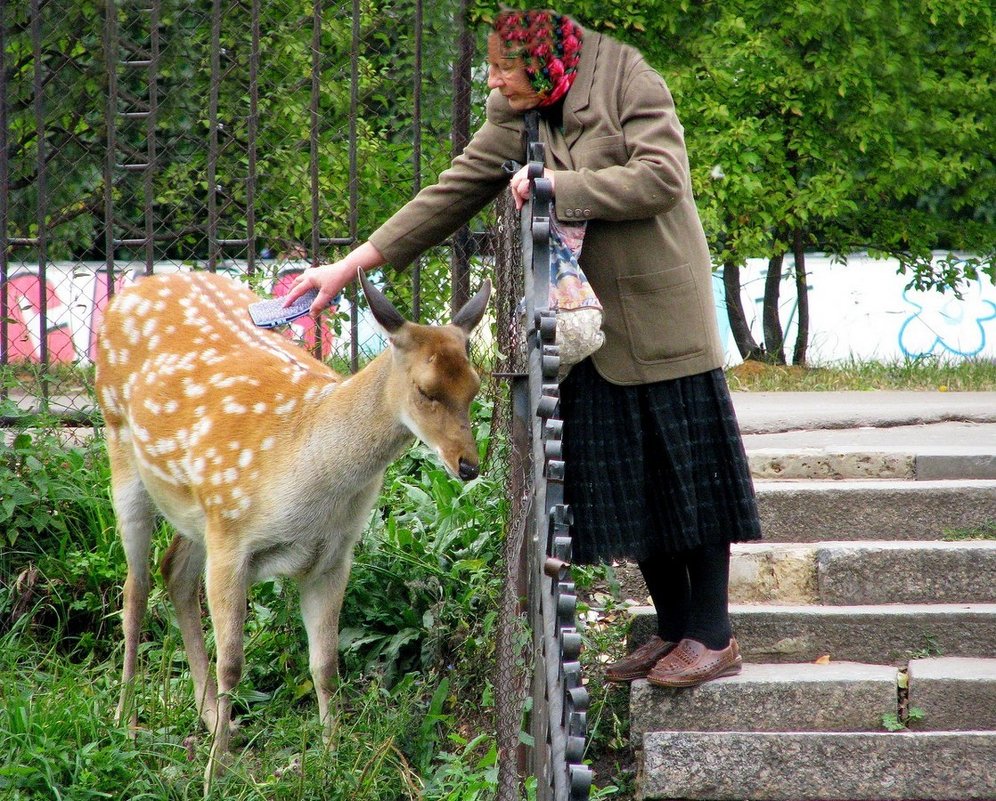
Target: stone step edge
column 843, row 462
column 836, row 572
column 774, row 485
column 953, row 694
column 817, row 766
column 875, row 633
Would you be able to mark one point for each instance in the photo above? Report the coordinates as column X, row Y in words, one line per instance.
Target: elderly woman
column 657, row 471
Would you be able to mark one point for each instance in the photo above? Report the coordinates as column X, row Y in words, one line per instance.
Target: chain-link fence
column 234, row 135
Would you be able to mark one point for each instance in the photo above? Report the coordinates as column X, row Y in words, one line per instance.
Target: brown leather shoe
column 638, row 664
column 691, row 663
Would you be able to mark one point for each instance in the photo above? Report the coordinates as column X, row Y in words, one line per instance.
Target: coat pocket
column 600, row 152
column 663, row 314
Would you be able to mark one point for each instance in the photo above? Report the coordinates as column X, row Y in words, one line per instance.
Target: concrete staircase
column 854, row 613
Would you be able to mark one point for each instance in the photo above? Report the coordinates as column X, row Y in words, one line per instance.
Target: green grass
column 985, row 531
column 927, row 374
column 415, row 705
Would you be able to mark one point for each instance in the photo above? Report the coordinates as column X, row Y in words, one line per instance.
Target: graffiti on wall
column 863, row 310
column 860, row 309
column 75, row 296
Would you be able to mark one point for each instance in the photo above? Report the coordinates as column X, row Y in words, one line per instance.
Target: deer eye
column 425, row 394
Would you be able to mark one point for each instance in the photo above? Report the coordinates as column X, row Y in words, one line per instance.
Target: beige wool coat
column 620, row 164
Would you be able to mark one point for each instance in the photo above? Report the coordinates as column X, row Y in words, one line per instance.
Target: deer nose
column 468, row 470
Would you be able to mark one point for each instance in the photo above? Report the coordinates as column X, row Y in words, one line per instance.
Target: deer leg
column 182, row 567
column 226, row 596
column 321, row 602
column 136, row 524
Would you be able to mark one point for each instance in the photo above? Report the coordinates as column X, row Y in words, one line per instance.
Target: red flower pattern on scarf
column 549, row 45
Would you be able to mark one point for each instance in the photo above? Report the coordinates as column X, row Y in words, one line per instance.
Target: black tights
column 690, row 591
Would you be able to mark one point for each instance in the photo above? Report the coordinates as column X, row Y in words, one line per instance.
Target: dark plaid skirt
column 653, row 467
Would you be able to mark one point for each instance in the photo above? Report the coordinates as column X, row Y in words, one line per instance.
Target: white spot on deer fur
column 165, row 292
column 286, row 408
column 170, row 406
column 152, row 406
column 110, row 397
column 231, row 475
column 259, row 408
column 230, row 406
column 192, row 390
column 245, row 458
column 267, row 443
column 216, row 479
column 162, row 446
column 149, row 327
column 141, row 434
column 197, row 470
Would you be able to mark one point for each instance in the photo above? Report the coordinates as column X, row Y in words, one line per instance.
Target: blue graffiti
column 945, row 324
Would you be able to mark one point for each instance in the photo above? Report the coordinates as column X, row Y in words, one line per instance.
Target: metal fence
column 255, row 138
column 141, row 136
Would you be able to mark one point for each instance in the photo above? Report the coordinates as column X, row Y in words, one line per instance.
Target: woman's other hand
column 520, row 186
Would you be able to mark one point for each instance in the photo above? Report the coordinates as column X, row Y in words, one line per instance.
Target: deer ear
column 473, row 310
column 383, row 310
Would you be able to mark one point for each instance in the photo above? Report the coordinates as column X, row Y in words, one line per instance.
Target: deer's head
column 433, row 381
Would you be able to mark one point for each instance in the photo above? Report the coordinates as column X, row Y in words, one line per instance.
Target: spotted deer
column 265, row 461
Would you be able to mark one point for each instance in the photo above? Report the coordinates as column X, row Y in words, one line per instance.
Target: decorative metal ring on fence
column 560, row 701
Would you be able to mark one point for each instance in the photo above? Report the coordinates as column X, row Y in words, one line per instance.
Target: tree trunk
column 774, row 337
column 802, row 297
column 748, row 347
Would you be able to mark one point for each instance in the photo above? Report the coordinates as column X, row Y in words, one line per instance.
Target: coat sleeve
column 473, row 180
column 643, row 174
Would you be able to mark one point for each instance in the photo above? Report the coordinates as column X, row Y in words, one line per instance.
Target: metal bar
column 110, row 134
column 459, row 259
column 560, row 701
column 417, row 152
column 150, row 133
column 4, row 198
column 316, row 72
column 253, row 132
column 354, row 191
column 212, row 165
column 42, row 193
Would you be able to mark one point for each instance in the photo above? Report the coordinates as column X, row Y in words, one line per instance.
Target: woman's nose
column 493, row 80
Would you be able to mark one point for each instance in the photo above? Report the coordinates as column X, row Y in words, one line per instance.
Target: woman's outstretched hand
column 330, row 279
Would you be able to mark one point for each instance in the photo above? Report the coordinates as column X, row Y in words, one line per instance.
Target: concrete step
column 813, row 511
column 797, row 457
column 840, row 696
column 882, row 634
column 873, row 572
column 818, row 766
column 955, row 693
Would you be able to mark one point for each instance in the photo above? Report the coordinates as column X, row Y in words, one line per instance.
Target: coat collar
column 578, row 96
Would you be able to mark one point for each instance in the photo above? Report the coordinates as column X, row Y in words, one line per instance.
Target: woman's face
column 508, row 76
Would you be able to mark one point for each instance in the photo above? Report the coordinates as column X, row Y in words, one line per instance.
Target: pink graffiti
column 22, row 335
column 73, row 318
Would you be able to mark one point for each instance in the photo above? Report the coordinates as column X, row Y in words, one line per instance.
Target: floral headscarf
column 548, row 43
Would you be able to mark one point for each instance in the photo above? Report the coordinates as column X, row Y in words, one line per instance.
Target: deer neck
column 359, row 422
